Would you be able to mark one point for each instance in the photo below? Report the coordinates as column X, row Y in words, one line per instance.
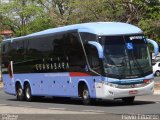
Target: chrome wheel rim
column 85, row 94
column 157, row 73
column 28, row 93
column 20, row 92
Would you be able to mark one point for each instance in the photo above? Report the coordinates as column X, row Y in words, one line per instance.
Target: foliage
column 19, row 14
column 151, row 22
column 28, row 16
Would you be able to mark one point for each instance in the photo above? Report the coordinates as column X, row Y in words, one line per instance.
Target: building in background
column 6, row 34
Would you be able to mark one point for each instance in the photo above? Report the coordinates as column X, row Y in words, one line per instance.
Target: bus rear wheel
column 19, row 92
column 27, row 92
column 128, row 100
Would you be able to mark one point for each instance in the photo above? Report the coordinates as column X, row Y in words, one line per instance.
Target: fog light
column 112, row 85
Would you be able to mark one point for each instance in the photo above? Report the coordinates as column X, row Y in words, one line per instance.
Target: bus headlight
column 145, row 82
column 112, row 85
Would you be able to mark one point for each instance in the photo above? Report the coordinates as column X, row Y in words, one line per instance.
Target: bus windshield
column 125, row 56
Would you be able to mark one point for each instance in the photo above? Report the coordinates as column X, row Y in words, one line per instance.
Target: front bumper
column 115, row 93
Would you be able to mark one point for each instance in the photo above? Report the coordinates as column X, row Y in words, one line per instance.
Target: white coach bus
column 99, row 60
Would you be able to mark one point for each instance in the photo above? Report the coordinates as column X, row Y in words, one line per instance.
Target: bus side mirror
column 155, row 45
column 98, row 47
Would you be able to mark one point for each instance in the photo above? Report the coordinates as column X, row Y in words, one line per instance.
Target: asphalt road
column 71, row 109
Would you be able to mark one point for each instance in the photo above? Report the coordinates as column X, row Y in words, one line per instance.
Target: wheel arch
column 28, row 91
column 81, row 83
column 156, row 72
column 26, row 81
column 18, row 82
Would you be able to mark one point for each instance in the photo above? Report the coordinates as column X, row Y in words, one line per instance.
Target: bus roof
column 99, row 28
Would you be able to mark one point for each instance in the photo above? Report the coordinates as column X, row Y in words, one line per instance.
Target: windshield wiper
column 127, row 63
column 137, row 64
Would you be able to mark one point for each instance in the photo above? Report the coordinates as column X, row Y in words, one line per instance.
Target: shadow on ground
column 71, row 101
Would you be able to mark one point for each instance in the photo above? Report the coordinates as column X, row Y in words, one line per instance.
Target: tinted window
column 40, row 47
column 53, row 53
column 75, row 52
column 59, row 45
column 88, row 37
column 66, row 54
column 18, row 50
column 38, row 54
column 5, row 56
column 93, row 58
column 6, row 48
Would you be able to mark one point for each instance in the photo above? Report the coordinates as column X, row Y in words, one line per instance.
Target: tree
column 150, row 23
column 18, row 15
column 28, row 16
column 59, row 11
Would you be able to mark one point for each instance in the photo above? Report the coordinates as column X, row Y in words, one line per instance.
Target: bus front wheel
column 85, row 95
column 28, row 95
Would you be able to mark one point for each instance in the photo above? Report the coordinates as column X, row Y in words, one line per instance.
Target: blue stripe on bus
column 51, row 84
column 127, row 82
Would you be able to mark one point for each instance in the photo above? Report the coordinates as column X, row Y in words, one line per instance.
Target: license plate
column 133, row 92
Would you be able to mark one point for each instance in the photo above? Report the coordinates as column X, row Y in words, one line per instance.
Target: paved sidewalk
column 29, row 110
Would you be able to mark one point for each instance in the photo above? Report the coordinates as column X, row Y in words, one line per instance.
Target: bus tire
column 19, row 92
column 86, row 96
column 128, row 100
column 27, row 92
column 157, row 73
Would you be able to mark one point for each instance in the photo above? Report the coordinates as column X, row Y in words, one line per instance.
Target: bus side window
column 88, row 37
column 75, row 52
column 3, row 48
column 13, row 51
column 5, row 54
column 93, row 58
column 58, row 46
column 20, row 50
